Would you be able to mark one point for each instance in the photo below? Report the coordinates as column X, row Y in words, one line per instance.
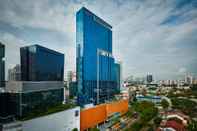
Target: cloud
column 182, row 70
column 157, row 36
column 33, row 14
column 12, row 49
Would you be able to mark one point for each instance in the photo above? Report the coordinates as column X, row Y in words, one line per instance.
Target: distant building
column 73, row 89
column 95, row 62
column 2, row 65
column 149, row 78
column 71, row 76
column 195, row 81
column 189, row 79
column 41, row 64
column 153, row 99
column 14, row 74
column 72, row 83
column 118, row 76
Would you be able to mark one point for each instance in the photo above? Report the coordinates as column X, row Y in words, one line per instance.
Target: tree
column 75, row 129
column 157, row 121
column 137, row 126
column 192, row 126
column 164, row 104
column 146, row 109
column 151, row 128
column 130, row 112
column 185, row 105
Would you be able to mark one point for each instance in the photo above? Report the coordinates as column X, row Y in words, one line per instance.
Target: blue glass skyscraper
column 95, row 63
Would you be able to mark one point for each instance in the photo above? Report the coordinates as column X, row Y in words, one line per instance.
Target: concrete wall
column 119, row 106
column 93, row 116
column 61, row 121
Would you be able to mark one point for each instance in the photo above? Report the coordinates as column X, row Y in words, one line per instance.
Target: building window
column 76, row 113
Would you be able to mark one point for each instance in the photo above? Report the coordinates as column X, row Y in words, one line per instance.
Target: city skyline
column 148, row 36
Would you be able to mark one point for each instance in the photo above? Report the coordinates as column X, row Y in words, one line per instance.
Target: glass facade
column 22, row 104
column 73, row 89
column 41, row 64
column 118, row 74
column 94, row 34
column 2, row 65
column 40, row 100
column 7, row 106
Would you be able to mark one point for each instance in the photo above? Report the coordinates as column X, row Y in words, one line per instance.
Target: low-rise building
column 62, row 121
column 102, row 114
column 171, row 125
column 65, row 120
column 153, row 99
column 26, row 96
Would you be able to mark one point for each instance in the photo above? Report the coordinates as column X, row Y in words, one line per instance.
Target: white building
column 62, row 121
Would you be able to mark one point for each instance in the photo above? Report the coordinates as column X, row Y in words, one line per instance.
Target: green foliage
column 146, row 109
column 164, row 104
column 184, row 93
column 157, row 121
column 134, row 99
column 150, row 128
column 115, row 120
column 137, row 126
column 75, row 129
column 130, row 112
column 192, row 126
column 185, row 105
column 194, row 87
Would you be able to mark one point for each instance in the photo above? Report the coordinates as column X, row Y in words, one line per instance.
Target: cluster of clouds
column 149, row 36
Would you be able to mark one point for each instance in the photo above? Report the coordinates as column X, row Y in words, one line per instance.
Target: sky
column 149, row 36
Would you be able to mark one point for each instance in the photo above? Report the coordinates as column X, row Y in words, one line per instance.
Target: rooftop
column 98, row 18
column 50, row 110
column 44, row 48
column 175, row 125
